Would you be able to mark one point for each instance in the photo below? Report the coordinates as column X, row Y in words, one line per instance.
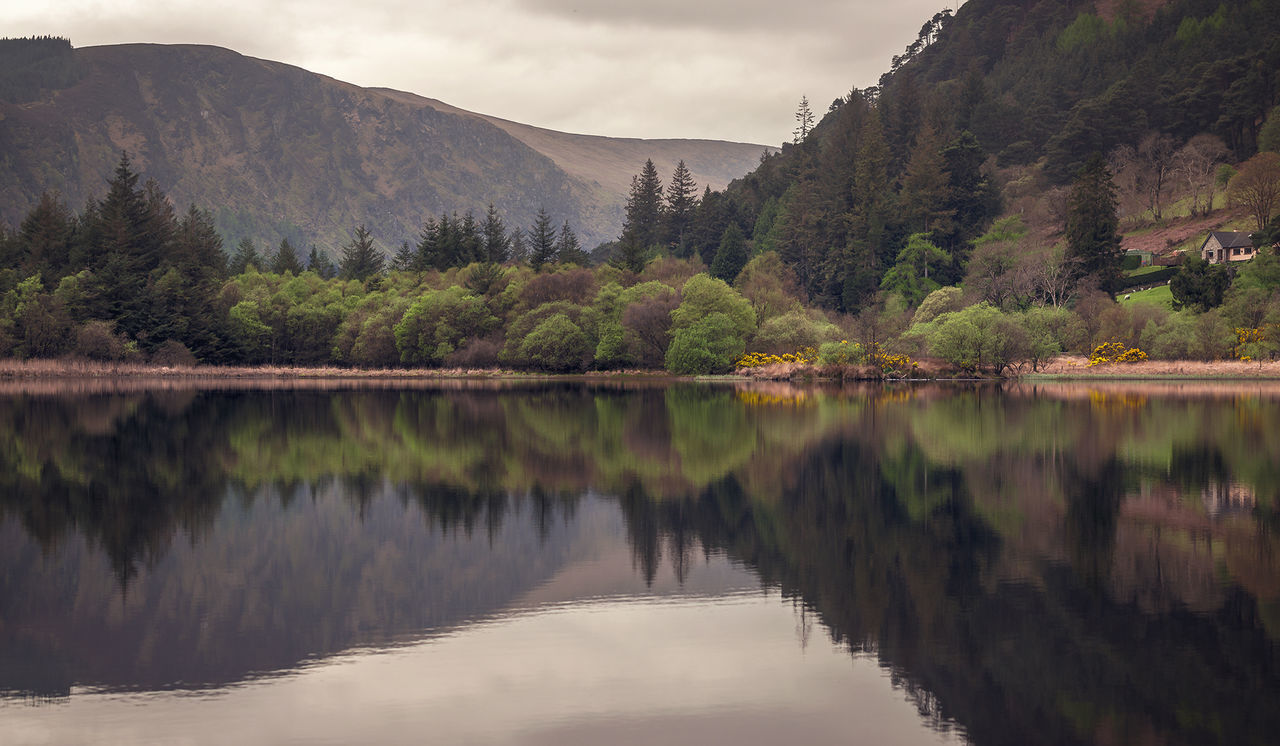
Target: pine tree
column 360, row 258
column 428, row 256
column 642, row 227
column 681, row 204
column 804, row 121
column 320, row 263
column 1092, row 232
column 519, row 247
column 926, row 192
column 568, row 249
column 43, row 242
column 404, row 259
column 245, row 256
column 731, row 257
column 497, row 247
column 286, row 259
column 470, row 244
column 542, row 240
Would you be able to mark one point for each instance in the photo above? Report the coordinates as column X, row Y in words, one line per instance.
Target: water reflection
column 1028, row 564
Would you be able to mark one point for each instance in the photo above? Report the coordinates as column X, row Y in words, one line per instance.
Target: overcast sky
column 717, row 69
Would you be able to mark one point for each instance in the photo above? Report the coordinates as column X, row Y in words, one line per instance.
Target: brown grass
column 1078, row 367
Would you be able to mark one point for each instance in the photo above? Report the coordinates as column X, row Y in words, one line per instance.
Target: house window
column 1235, row 252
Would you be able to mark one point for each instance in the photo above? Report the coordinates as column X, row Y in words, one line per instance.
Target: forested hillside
column 994, row 109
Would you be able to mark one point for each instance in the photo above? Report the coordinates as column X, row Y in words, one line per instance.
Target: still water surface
column 572, row 563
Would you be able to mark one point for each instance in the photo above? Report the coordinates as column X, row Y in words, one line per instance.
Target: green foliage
column 557, row 344
column 708, row 345
column 1092, row 230
column 1198, row 284
column 731, row 257
column 909, row 278
column 704, row 295
column 793, row 331
column 360, row 258
column 976, row 337
column 440, row 322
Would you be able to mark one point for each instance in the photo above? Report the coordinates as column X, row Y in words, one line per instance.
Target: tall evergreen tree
column 497, row 246
column 926, row 192
column 1092, row 233
column 643, row 224
column 804, row 121
column 519, row 246
column 731, row 257
column 44, row 240
column 470, row 243
column 428, row 255
column 360, row 258
column 542, row 240
column 286, row 259
column 681, row 206
column 405, row 259
column 320, row 263
column 568, row 249
column 245, row 256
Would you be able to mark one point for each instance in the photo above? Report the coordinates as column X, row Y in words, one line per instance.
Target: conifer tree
column 360, row 258
column 1093, row 238
column 681, row 204
column 731, row 257
column 568, row 249
column 470, row 243
column 519, row 247
column 404, row 259
column 642, row 227
column 497, row 246
column 286, row 259
column 428, row 254
column 245, row 256
column 320, row 263
column 542, row 240
column 44, row 239
column 804, row 121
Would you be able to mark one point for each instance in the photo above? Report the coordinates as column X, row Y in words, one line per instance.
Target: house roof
column 1230, row 239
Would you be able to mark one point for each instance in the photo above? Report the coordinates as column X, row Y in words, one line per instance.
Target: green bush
column 557, row 344
column 708, row 345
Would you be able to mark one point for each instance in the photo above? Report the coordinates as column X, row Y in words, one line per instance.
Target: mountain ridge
column 276, row 151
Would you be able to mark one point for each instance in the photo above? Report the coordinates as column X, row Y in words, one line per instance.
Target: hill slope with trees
column 277, row 152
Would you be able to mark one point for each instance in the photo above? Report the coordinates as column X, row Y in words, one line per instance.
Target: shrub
column 557, row 344
column 98, row 340
column 792, row 331
column 708, row 345
column 173, row 354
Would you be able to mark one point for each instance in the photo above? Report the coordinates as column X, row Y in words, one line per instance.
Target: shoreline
column 1064, row 369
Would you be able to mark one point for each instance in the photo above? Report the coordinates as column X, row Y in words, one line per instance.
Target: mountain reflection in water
column 576, row 563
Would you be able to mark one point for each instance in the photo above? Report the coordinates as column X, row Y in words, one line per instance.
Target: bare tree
column 1196, row 164
column 1130, row 181
column 1257, row 187
column 1155, row 153
column 1055, row 274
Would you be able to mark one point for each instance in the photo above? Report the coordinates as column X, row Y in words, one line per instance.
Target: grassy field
column 1157, row 296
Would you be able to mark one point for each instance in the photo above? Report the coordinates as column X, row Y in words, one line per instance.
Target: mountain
column 275, row 151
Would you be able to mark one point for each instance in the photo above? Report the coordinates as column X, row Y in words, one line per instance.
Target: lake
column 629, row 562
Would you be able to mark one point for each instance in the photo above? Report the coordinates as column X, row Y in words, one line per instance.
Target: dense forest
column 969, row 207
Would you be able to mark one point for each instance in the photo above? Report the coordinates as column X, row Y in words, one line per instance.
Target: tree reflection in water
column 1062, row 564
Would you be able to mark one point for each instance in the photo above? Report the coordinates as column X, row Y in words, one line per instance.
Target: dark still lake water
column 612, row 564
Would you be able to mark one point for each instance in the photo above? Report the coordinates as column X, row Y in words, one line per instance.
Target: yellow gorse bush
column 1115, row 352
column 803, row 356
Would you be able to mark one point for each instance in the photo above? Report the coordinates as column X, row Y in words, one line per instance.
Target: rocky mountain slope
column 276, row 151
